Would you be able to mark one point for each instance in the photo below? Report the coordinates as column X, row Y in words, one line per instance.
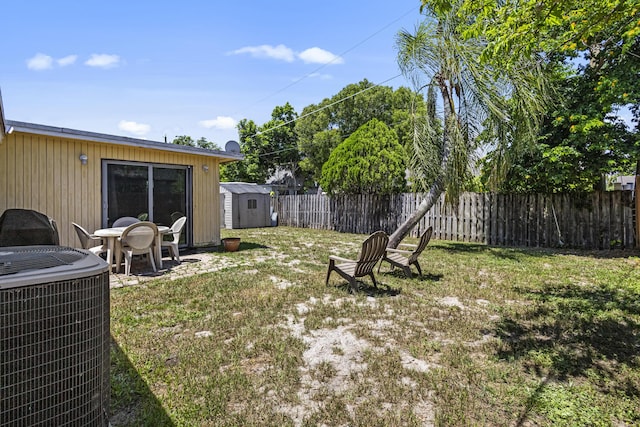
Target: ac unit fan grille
column 37, row 258
column 54, row 353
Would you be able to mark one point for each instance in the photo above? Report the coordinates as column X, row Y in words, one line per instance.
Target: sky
column 156, row 70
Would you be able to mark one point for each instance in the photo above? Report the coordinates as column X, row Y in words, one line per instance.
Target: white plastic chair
column 172, row 245
column 88, row 241
column 138, row 239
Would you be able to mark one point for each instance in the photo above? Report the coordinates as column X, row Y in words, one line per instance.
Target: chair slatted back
column 424, row 241
column 372, row 250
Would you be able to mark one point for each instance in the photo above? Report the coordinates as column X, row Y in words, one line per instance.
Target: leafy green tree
column 370, row 161
column 323, row 126
column 265, row 148
column 200, row 143
column 184, row 140
column 504, row 104
column 583, row 140
column 357, row 107
column 519, row 28
column 404, row 102
column 209, row 145
column 581, row 143
column 604, row 32
column 317, row 153
column 486, row 59
column 251, row 146
column 317, row 136
column 281, row 138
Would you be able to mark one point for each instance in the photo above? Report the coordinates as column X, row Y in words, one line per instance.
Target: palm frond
column 498, row 108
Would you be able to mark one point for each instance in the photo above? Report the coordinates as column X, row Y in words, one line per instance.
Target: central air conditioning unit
column 54, row 337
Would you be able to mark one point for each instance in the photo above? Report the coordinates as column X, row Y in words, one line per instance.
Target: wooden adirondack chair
column 404, row 258
column 372, row 250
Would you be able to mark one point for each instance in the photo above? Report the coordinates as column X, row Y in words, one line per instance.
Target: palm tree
column 470, row 103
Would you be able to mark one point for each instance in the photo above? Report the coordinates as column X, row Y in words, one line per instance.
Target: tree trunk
column 425, row 205
column 436, row 189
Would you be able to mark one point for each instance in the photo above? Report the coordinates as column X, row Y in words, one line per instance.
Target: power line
column 344, row 136
column 320, row 68
column 335, row 58
column 327, row 106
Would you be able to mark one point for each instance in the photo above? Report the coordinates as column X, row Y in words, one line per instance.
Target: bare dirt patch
column 335, row 362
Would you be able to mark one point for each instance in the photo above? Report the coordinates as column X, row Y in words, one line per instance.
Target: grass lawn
column 489, row 336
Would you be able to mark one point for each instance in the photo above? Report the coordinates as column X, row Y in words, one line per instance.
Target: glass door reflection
column 128, row 192
column 169, row 196
column 149, row 192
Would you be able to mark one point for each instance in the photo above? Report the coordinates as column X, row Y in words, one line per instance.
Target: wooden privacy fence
column 600, row 220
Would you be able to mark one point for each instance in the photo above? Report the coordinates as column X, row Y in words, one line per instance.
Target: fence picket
column 600, row 221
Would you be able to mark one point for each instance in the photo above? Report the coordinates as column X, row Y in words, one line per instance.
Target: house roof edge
column 3, row 129
column 113, row 139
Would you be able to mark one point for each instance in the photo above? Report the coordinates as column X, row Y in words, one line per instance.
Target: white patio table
column 112, row 234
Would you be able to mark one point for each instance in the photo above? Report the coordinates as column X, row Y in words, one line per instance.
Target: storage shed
column 245, row 205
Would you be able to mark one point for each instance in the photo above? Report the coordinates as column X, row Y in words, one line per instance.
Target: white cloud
column 40, row 62
column 139, row 129
column 280, row 52
column 103, row 61
column 219, row 123
column 315, row 55
column 67, row 60
column 45, row 62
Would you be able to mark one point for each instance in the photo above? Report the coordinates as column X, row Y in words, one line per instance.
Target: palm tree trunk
column 425, row 205
column 437, row 188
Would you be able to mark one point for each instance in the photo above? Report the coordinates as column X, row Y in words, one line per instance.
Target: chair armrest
column 337, row 258
column 169, row 233
column 408, row 245
column 399, row 251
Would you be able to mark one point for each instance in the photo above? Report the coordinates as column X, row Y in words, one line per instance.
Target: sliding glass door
column 127, row 192
column 169, row 196
column 152, row 192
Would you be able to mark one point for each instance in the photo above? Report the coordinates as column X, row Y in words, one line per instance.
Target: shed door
column 251, row 210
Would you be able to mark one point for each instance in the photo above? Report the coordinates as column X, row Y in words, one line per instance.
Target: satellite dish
column 232, row 147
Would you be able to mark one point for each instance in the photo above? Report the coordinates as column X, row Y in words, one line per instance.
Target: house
column 245, row 205
column 636, row 196
column 624, row 182
column 631, row 183
column 285, row 181
column 93, row 179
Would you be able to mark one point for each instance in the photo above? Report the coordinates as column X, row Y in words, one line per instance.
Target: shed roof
column 118, row 140
column 244, row 188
